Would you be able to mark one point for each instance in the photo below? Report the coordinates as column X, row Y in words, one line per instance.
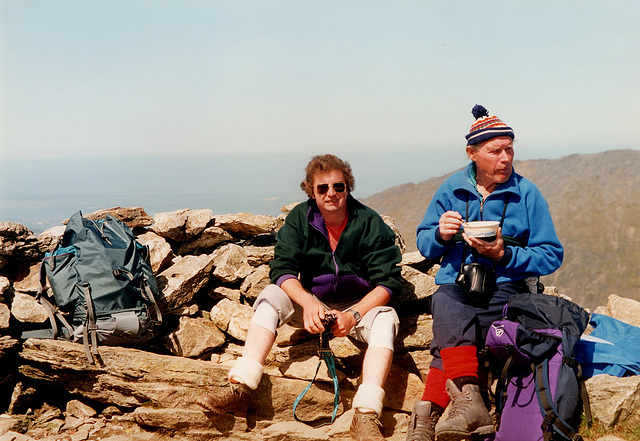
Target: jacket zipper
column 334, row 285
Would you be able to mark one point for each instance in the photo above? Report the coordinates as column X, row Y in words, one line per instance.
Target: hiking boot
column 365, row 427
column 467, row 418
column 231, row 399
column 423, row 421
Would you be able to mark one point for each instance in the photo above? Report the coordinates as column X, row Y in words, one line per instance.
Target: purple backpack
column 539, row 393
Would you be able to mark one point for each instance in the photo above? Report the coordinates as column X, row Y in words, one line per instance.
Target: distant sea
column 41, row 193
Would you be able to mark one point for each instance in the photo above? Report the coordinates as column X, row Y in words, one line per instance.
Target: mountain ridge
column 591, row 198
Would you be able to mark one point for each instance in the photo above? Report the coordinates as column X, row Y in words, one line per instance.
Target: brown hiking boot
column 365, row 427
column 423, row 421
column 231, row 399
column 468, row 417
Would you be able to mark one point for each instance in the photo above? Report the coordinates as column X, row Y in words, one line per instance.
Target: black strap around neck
column 504, row 210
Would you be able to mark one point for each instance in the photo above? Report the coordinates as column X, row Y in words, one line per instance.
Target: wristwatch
column 356, row 315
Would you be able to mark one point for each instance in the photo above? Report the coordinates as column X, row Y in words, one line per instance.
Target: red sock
column 461, row 361
column 434, row 390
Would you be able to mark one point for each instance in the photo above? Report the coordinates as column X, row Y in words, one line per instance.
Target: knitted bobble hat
column 486, row 127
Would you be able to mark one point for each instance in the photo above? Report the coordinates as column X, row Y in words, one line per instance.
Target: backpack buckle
column 548, row 420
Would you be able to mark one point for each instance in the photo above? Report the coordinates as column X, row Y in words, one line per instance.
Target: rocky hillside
column 209, row 271
column 593, row 201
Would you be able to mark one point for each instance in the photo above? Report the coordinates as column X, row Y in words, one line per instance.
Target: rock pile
column 209, row 270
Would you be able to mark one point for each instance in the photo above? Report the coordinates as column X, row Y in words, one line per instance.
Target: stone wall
column 209, row 270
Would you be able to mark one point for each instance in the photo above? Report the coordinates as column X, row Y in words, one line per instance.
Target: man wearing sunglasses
column 333, row 255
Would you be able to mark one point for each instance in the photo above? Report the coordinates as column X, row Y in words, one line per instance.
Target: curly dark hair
column 326, row 163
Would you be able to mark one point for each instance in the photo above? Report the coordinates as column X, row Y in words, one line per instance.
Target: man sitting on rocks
column 333, row 255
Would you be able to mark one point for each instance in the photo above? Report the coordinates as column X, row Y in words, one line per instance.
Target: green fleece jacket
column 366, row 255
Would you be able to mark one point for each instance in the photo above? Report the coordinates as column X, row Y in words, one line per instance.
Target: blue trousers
column 456, row 322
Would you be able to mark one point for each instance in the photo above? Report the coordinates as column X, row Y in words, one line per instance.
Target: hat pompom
column 479, row 111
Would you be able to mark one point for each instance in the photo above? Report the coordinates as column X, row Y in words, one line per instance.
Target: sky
column 195, row 77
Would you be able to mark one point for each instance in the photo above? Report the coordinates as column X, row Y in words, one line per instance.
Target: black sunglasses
column 338, row 187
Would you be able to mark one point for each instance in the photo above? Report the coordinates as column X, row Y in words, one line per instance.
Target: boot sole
column 218, row 411
column 458, row 435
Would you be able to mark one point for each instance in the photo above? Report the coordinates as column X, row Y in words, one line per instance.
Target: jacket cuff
column 389, row 290
column 439, row 238
column 508, row 253
column 281, row 279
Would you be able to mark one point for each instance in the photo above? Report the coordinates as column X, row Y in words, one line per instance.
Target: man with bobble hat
column 525, row 247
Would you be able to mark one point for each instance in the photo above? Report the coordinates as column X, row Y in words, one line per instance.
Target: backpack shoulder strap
column 551, row 417
column 90, row 328
column 52, row 311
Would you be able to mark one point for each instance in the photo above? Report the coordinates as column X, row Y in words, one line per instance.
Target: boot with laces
column 365, row 426
column 423, row 421
column 468, row 417
column 232, row 399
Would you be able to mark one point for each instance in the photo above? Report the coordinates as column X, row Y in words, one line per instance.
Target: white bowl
column 481, row 229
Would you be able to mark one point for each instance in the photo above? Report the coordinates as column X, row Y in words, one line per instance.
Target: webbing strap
column 325, row 354
column 551, row 417
column 501, row 385
column 152, row 299
column 146, row 291
column 90, row 328
column 52, row 311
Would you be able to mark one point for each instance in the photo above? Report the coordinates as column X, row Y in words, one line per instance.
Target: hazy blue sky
column 153, row 77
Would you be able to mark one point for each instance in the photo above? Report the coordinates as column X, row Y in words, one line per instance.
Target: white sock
column 369, row 398
column 247, row 371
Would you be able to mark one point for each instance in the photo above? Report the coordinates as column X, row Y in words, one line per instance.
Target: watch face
column 356, row 314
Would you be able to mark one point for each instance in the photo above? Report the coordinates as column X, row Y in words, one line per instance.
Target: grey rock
column 194, row 337
column 229, row 293
column 133, row 217
column 181, row 225
column 18, row 242
column 160, row 252
column 180, row 282
column 399, row 240
column 231, row 263
column 615, row 400
column 624, row 309
column 5, row 317
column 28, row 279
column 50, row 237
column 27, row 309
column 207, row 240
column 416, row 284
column 78, row 409
column 257, row 255
column 246, row 225
column 255, row 282
column 5, row 286
column 232, row 318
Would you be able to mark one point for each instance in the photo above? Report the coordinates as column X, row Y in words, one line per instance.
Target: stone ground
column 124, row 428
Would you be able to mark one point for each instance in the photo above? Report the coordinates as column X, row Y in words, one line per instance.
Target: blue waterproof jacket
column 613, row 348
column 527, row 219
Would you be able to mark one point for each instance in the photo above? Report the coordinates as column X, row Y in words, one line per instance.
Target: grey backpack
column 102, row 286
